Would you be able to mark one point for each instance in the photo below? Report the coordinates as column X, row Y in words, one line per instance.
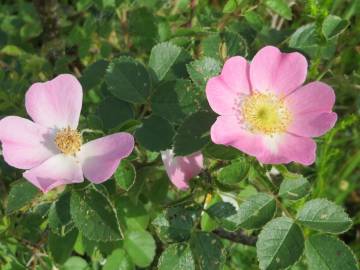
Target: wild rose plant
column 51, row 149
column 266, row 112
column 153, row 135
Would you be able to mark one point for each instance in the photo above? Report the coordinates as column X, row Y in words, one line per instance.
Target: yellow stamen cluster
column 68, row 141
column 265, row 113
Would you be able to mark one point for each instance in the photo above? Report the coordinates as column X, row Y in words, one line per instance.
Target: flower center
column 68, row 141
column 265, row 113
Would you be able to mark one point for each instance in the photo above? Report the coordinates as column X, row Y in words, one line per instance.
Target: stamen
column 68, row 141
column 265, row 113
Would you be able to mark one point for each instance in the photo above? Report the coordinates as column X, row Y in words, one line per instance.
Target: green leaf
column 157, row 186
column 131, row 125
column 324, row 252
column 93, row 74
column 133, row 215
column 235, row 44
column 128, row 80
column 142, row 27
column 21, row 193
column 221, row 210
column 305, row 39
column 165, row 102
column 173, row 100
column 114, row 112
column 143, row 175
column 333, row 26
column 60, row 221
column 163, row 57
column 105, row 248
column 82, row 5
column 294, row 187
column 118, row 260
column 254, row 19
column 109, row 3
column 235, row 172
column 94, row 122
column 221, row 152
column 33, row 222
column 207, row 223
column 94, row 216
column 211, row 45
column 253, row 213
column 202, row 70
column 323, row 215
column 207, row 250
column 12, row 50
column 156, row 134
column 62, row 246
column 75, row 262
column 281, row 7
column 174, row 224
column 31, row 30
column 230, row 6
column 280, row 244
column 125, row 175
column 140, row 245
column 193, row 134
column 176, row 257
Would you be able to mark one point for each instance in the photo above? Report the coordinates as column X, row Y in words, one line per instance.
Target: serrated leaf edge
column 319, row 230
column 167, row 43
column 344, row 244
column 293, row 223
column 256, row 228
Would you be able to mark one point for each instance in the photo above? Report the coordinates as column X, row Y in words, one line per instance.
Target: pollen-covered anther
column 265, row 113
column 68, row 141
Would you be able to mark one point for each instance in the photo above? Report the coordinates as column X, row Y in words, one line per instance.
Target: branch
column 238, row 236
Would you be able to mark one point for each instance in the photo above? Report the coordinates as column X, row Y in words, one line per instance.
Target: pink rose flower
column 50, row 149
column 264, row 109
column 181, row 169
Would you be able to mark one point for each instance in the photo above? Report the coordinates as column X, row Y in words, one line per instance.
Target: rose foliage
column 181, row 135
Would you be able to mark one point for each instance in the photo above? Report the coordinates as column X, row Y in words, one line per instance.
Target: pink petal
column 25, row 144
column 227, row 130
column 235, row 74
column 278, row 72
column 312, row 124
column 298, row 149
column 181, row 169
column 58, row 170
column 311, row 107
column 286, row 147
column 56, row 103
column 271, row 151
column 312, row 97
column 101, row 157
column 222, row 91
column 274, row 149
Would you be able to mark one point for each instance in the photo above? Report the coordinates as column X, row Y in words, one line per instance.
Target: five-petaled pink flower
column 181, row 169
column 50, row 148
column 264, row 109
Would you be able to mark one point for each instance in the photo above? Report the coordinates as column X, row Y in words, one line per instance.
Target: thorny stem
column 238, row 236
